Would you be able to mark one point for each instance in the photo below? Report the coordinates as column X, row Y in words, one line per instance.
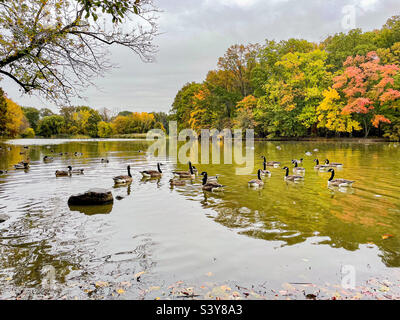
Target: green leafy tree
column 33, row 116
column 50, row 125
column 294, row 94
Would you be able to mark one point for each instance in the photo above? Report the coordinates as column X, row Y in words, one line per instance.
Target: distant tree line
column 347, row 85
column 17, row 121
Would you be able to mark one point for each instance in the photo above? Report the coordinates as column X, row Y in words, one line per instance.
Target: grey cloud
column 197, row 32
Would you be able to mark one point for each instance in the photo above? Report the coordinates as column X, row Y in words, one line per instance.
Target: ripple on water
column 181, row 231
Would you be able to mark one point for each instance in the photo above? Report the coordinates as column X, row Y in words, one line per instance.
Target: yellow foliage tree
column 14, row 119
column 330, row 114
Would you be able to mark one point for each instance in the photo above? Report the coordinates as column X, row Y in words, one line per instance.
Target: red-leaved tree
column 368, row 89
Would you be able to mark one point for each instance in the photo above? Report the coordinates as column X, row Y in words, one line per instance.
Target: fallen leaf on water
column 8, row 279
column 120, row 291
column 384, row 289
column 225, row 288
column 101, row 284
column 358, row 296
column 139, row 274
column 387, row 236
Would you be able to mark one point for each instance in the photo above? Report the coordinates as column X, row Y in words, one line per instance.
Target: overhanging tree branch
column 57, row 48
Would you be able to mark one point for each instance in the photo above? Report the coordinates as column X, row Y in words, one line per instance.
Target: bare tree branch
column 56, row 48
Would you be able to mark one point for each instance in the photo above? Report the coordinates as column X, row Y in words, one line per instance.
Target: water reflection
column 143, row 231
column 92, row 210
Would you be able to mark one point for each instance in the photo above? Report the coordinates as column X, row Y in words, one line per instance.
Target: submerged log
column 92, row 197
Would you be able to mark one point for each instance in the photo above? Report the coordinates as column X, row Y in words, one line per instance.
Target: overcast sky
column 197, row 32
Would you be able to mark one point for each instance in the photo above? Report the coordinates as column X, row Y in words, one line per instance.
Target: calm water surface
column 282, row 233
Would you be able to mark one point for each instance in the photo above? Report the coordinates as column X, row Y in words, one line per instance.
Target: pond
column 156, row 236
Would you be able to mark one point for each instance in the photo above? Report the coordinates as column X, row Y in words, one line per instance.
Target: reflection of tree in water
column 72, row 245
column 269, row 216
column 30, row 244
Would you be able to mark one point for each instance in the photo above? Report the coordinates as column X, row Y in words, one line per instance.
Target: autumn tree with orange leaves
column 369, row 90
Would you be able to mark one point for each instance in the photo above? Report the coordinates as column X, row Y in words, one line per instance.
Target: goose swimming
column 185, row 174
column 338, row 182
column 274, row 164
column 153, row 173
column 124, row 179
column 333, row 164
column 256, row 183
column 292, row 178
column 75, row 171
column 296, row 168
column 212, row 186
column 320, row 166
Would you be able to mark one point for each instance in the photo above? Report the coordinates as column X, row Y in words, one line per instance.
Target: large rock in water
column 92, row 197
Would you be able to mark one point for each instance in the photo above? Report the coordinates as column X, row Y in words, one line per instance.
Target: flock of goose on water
column 209, row 183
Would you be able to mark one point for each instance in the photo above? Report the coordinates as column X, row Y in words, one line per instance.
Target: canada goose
column 296, row 168
column 175, row 182
column 298, row 161
column 333, row 164
column 77, row 154
column 48, row 159
column 3, row 171
column 61, row 173
column 153, row 173
column 185, row 174
column 212, row 186
column 265, row 172
column 338, row 182
column 292, row 178
column 196, row 172
column 105, row 161
column 22, row 165
column 26, row 147
column 274, row 164
column 124, row 179
column 256, row 183
column 75, row 171
column 320, row 166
